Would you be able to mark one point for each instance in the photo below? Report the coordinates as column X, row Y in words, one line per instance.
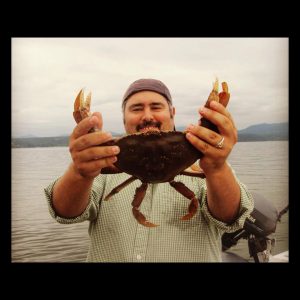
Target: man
column 116, row 236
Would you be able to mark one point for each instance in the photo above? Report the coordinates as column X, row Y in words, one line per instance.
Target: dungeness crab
column 155, row 156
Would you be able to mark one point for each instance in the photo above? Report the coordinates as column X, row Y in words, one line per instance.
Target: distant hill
column 265, row 132
column 259, row 132
column 31, row 142
column 262, row 132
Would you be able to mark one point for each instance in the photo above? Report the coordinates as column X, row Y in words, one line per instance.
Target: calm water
column 36, row 237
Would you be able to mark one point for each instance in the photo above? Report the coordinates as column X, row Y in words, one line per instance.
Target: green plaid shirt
column 115, row 235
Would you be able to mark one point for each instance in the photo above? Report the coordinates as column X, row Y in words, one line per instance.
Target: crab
column 155, row 156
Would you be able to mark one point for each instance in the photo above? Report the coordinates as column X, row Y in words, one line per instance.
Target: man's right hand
column 88, row 156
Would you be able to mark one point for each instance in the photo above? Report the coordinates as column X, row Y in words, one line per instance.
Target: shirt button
column 138, row 257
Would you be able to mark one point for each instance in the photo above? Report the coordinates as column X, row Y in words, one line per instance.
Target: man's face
column 146, row 111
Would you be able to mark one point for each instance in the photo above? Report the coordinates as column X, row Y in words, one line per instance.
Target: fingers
column 91, row 158
column 216, row 107
column 95, row 153
column 206, row 140
column 88, row 147
column 204, row 134
column 83, row 127
column 220, row 116
column 99, row 121
column 93, row 168
column 88, row 140
column 197, row 143
column 88, row 155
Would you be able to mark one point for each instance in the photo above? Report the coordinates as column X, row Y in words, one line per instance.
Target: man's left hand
column 206, row 140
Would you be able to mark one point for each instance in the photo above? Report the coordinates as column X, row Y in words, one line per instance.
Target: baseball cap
column 148, row 84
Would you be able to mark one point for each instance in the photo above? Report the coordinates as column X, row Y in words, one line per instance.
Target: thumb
column 98, row 120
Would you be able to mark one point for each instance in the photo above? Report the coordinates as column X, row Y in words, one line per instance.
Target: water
column 263, row 167
column 36, row 237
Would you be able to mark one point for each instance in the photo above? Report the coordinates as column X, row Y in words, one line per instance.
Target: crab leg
column 137, row 200
column 186, row 192
column 118, row 188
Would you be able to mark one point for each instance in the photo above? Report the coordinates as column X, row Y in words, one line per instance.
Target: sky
column 48, row 73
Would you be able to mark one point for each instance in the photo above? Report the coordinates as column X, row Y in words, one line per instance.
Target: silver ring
column 219, row 145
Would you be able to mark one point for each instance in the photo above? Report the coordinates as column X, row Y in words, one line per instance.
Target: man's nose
column 147, row 115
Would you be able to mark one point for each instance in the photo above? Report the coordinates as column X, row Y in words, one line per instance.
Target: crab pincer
column 222, row 97
column 82, row 106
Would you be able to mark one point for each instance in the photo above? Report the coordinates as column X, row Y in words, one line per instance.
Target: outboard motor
column 266, row 217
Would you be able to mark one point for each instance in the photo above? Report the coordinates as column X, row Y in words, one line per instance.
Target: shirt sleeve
column 91, row 211
column 246, row 207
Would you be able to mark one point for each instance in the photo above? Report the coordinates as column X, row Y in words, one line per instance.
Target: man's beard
column 148, row 124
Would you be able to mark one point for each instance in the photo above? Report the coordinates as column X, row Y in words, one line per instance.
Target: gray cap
column 149, row 84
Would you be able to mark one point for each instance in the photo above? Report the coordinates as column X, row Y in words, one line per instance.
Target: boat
column 257, row 233
column 281, row 257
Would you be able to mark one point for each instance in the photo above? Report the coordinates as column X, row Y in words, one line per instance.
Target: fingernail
column 213, row 104
column 190, row 127
column 203, row 110
column 188, row 135
column 93, row 120
column 116, row 149
column 108, row 135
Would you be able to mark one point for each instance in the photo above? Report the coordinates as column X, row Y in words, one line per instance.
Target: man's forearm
column 223, row 194
column 71, row 193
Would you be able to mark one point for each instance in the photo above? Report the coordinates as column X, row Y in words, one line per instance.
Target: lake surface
column 36, row 237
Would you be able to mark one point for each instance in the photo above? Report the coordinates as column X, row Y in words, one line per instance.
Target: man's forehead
column 146, row 97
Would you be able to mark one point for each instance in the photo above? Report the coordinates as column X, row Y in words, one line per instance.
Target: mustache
column 148, row 124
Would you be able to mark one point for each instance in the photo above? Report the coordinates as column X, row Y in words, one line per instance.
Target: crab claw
column 216, row 86
column 214, row 94
column 82, row 106
column 224, row 95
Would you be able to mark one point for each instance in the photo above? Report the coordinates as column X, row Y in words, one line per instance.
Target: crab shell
column 155, row 157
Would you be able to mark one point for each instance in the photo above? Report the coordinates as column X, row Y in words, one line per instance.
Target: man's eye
column 156, row 107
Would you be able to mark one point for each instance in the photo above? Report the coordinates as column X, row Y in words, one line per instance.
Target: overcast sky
column 48, row 73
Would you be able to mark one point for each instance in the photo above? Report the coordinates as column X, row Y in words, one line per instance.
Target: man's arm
column 71, row 192
column 223, row 195
column 223, row 191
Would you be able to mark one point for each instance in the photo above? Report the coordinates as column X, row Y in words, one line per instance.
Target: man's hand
column 88, row 156
column 223, row 191
column 206, row 140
